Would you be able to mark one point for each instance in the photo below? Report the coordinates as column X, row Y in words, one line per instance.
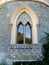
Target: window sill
column 22, row 46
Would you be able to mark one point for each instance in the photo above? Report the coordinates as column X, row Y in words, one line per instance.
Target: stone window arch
column 35, row 23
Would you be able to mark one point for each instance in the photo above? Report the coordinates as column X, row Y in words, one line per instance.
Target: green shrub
column 46, row 49
column 30, row 63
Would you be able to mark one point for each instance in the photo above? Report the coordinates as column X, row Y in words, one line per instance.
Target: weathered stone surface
column 6, row 11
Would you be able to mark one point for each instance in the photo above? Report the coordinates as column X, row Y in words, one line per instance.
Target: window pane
column 28, row 34
column 20, row 34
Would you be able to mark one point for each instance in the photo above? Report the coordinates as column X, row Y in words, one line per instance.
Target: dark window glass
column 28, row 37
column 20, row 34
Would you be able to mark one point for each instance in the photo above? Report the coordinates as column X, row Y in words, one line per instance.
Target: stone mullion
column 24, row 34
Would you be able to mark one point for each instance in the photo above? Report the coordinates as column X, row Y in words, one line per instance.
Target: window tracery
column 32, row 24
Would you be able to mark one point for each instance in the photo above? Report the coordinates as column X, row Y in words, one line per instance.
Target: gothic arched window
column 24, row 36
column 28, row 35
column 24, row 14
column 20, row 34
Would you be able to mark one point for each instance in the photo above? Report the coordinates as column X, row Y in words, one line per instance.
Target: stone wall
column 6, row 11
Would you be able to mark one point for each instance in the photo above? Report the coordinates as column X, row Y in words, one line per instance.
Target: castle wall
column 6, row 11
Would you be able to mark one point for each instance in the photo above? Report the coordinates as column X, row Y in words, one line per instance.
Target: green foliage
column 30, row 63
column 20, row 38
column 46, row 49
column 47, row 37
column 38, row 63
column 28, row 40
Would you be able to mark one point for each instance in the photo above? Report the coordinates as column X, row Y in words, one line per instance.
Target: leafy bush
column 46, row 49
column 30, row 63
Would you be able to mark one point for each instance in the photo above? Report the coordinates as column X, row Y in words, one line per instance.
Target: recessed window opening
column 24, row 26
column 20, row 33
column 28, row 35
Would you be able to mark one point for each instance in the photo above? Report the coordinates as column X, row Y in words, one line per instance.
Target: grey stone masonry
column 12, row 53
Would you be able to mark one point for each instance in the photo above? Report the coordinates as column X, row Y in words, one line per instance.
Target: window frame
column 30, row 31
column 34, row 19
column 17, row 32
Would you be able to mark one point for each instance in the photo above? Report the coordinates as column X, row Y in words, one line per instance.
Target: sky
column 27, row 31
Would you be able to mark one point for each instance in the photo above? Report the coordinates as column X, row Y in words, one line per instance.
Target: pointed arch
column 28, row 23
column 27, row 10
column 20, row 23
column 34, row 19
